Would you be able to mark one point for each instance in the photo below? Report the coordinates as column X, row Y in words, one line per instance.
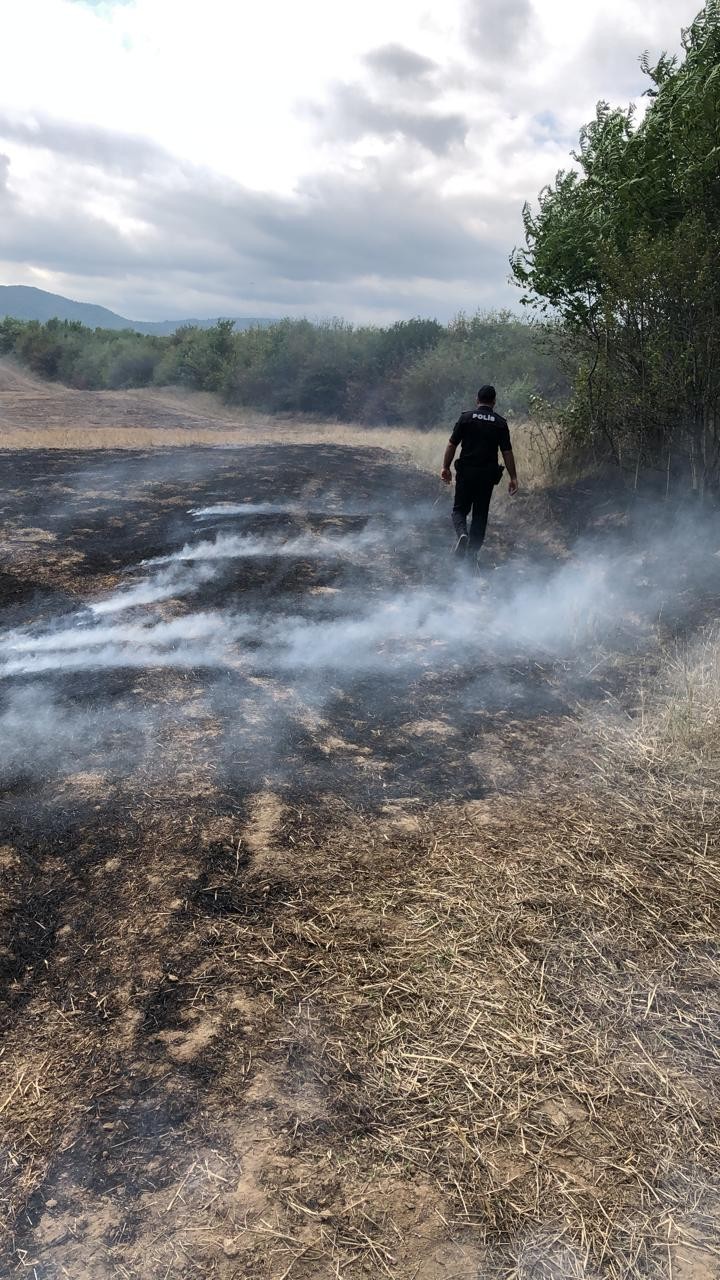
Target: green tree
column 626, row 250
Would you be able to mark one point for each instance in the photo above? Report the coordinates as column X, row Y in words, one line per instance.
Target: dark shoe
column 461, row 546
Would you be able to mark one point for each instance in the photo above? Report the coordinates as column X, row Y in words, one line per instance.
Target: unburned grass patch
column 687, row 727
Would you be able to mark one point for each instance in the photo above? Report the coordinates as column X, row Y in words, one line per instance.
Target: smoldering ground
column 44, row 733
column 225, row 874
column 384, row 631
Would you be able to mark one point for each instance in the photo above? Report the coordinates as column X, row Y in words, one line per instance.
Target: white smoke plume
column 571, row 607
column 578, row 602
column 248, row 509
column 167, row 585
column 117, row 657
column 236, row 547
column 194, row 627
column 276, row 663
column 199, row 639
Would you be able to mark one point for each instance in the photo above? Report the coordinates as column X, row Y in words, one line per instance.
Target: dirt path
column 16, row 381
column 321, row 954
column 29, row 405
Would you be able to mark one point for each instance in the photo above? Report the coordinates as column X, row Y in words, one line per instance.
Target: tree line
column 415, row 371
column 625, row 251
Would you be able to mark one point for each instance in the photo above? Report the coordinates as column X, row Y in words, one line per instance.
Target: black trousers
column 473, row 491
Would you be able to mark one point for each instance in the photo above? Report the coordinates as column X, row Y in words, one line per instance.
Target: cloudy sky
column 296, row 157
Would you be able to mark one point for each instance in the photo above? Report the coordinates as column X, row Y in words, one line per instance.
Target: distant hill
column 23, row 302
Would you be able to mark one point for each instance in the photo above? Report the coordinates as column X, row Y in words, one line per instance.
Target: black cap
column 486, row 394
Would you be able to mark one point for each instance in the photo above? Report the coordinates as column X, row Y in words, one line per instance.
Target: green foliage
column 413, row 371
column 10, row 331
column 627, row 252
column 520, row 359
column 201, row 355
column 86, row 358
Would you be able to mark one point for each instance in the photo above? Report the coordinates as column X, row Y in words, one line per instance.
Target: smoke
column 116, row 656
column 369, row 506
column 248, row 509
column 576, row 603
column 235, row 547
column 161, row 633
column 76, row 648
column 377, row 628
column 167, row 585
column 425, row 628
column 41, row 734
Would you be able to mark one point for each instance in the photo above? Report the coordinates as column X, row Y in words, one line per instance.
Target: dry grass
column 519, row 1003
column 489, row 1037
column 172, row 418
column 686, row 725
column 424, row 449
column 532, row 445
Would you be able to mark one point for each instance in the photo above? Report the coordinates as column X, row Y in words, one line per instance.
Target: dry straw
column 521, row 1003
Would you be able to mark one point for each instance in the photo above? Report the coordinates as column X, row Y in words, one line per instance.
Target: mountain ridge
column 25, row 302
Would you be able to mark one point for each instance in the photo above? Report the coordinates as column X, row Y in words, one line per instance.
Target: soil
column 165, row 1113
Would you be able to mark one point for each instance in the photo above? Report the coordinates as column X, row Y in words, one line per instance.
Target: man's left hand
column 513, row 487
column 446, row 475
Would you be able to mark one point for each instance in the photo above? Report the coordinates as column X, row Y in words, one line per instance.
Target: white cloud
column 166, row 157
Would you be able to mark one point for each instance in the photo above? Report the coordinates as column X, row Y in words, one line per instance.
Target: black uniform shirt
column 480, row 432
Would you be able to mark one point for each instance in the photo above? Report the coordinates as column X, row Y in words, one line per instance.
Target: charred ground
column 229, row 893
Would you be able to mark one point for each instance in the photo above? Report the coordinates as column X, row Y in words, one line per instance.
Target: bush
column 414, row 371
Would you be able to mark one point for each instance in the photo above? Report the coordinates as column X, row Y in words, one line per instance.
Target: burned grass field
column 358, row 917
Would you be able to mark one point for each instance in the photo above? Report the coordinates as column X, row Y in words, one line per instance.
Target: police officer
column 480, row 432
